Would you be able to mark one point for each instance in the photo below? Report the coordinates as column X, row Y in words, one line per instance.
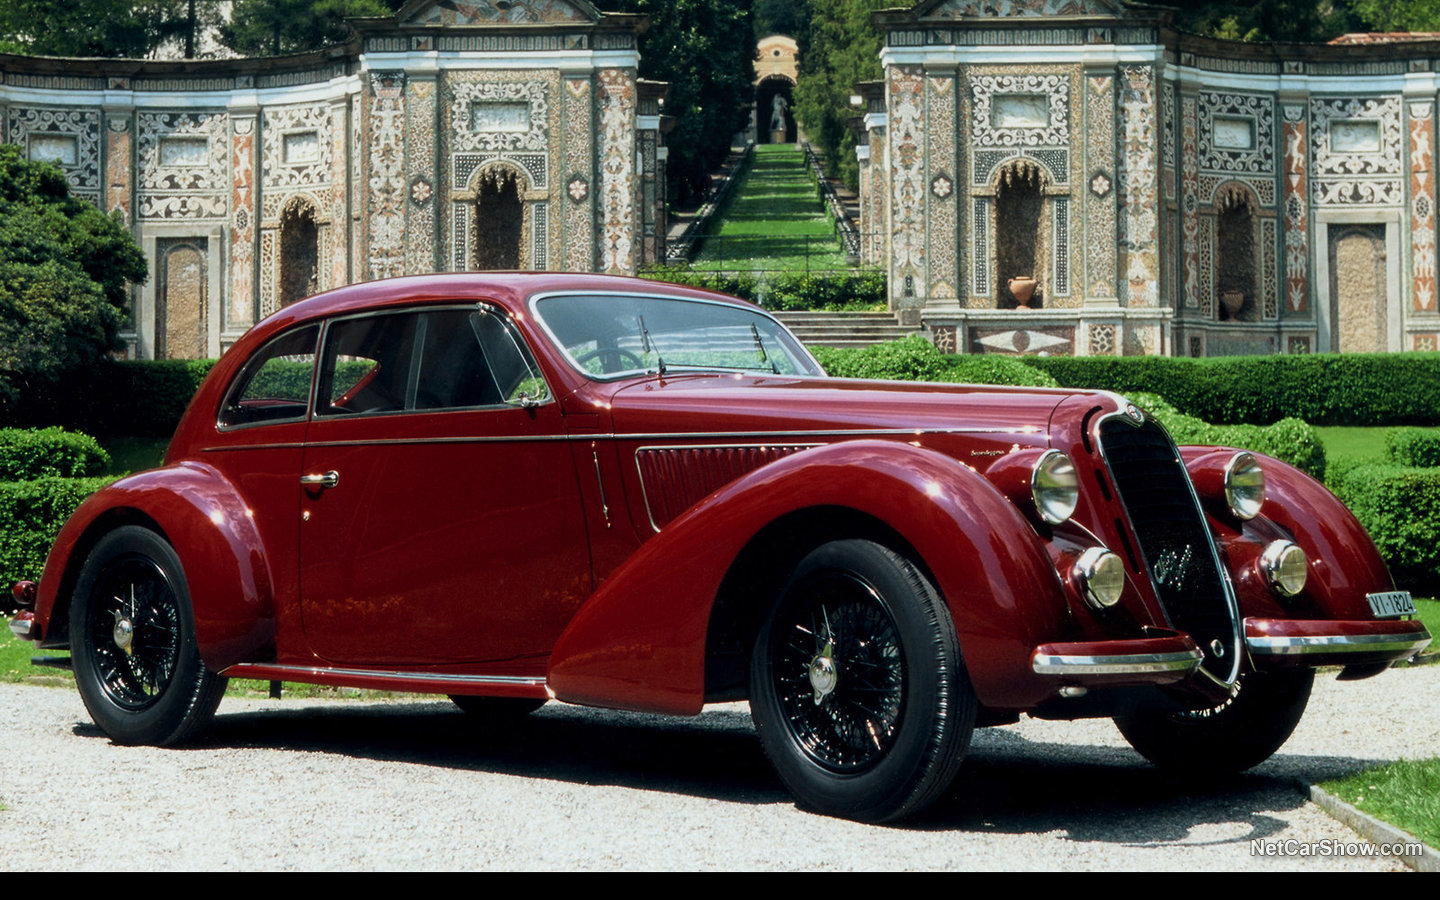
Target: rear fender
column 639, row 642
column 194, row 508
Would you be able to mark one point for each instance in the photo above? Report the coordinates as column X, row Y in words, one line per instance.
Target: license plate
column 1391, row 604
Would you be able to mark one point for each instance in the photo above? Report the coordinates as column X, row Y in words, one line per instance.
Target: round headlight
column 1244, row 486
column 1055, row 487
column 1102, row 577
column 1285, row 566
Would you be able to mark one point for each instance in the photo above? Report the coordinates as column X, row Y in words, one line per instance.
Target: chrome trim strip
column 1123, row 664
column 1338, row 643
column 509, row 680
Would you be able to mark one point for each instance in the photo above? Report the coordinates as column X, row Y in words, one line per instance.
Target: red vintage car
column 516, row 488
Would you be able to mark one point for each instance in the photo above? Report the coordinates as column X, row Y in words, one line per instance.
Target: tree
column 843, row 48
column 65, row 271
column 1399, row 15
column 104, row 28
column 704, row 49
column 273, row 27
column 1301, row 21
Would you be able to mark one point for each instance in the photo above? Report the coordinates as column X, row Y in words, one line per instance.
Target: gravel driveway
column 295, row 784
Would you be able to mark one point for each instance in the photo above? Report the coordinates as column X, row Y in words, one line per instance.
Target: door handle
column 328, row 480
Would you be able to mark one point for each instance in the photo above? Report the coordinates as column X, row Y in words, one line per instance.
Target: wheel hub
column 823, row 677
column 124, row 632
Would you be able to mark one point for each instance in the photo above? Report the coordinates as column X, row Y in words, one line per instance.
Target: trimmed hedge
column 786, row 291
column 31, row 513
column 27, row 453
column 143, row 398
column 916, row 359
column 1413, row 447
column 1290, row 440
column 1400, row 508
column 1323, row 389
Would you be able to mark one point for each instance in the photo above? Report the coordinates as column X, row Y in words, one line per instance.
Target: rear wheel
column 858, row 692
column 133, row 647
column 1244, row 731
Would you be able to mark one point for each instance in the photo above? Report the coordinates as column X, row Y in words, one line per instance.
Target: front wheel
column 859, row 695
column 1244, row 731
column 133, row 647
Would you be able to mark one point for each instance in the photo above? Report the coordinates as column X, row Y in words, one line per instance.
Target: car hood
column 747, row 404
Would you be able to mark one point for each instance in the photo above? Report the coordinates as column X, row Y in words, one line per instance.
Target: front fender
column 202, row 516
column 639, row 642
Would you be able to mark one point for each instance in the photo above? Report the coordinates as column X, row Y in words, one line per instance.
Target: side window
column 275, row 385
column 459, row 358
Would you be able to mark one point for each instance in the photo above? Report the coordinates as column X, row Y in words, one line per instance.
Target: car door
column 440, row 515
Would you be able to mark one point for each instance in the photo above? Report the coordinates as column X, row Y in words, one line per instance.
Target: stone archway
column 774, row 96
column 299, row 275
column 499, row 220
column 1022, row 231
column 182, row 301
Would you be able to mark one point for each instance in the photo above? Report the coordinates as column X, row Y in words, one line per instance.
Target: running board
column 397, row 680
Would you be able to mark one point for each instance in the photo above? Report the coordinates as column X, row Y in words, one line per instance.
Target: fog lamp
column 1102, row 577
column 1285, row 566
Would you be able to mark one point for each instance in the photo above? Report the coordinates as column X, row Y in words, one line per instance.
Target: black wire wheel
column 857, row 688
column 132, row 639
column 1245, row 730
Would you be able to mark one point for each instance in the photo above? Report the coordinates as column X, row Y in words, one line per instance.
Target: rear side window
column 275, row 385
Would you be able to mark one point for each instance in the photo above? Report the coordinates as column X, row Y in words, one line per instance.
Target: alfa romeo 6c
column 518, row 488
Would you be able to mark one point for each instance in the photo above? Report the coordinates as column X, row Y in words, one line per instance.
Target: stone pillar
column 339, row 211
column 385, row 191
column 941, row 204
column 422, row 239
column 1139, row 226
column 905, row 105
column 1296, row 204
column 1100, row 227
column 242, row 304
column 577, row 226
column 1422, row 204
column 619, row 223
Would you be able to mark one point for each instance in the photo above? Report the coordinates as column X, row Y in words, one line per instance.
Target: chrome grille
column 1173, row 537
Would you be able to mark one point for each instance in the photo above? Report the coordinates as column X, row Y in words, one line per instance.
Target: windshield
column 607, row 336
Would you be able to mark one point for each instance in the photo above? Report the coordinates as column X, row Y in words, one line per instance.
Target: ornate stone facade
column 1182, row 195
column 252, row 182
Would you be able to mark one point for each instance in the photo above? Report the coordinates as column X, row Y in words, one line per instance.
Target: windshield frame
column 793, row 344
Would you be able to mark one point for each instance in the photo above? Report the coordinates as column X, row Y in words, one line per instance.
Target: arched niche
column 1237, row 253
column 501, row 203
column 1021, row 235
column 299, row 274
column 774, row 97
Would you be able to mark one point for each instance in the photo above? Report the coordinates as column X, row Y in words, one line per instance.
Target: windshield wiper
column 647, row 347
column 760, row 345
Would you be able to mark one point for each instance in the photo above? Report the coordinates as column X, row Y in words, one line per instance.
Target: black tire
column 497, row 710
column 1242, row 732
column 158, row 691
column 890, row 728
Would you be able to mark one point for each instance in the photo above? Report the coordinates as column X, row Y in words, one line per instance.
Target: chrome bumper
column 1160, row 660
column 1277, row 643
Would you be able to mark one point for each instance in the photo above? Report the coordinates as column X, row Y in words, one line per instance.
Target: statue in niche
column 778, row 106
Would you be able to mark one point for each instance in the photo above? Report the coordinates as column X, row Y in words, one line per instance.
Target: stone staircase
column 843, row 329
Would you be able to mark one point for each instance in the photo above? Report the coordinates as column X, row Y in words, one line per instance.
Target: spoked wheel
column 858, row 692
column 1257, row 719
column 133, row 643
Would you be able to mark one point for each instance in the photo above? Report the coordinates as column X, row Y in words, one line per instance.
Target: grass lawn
column 775, row 220
column 1353, row 443
column 1406, row 794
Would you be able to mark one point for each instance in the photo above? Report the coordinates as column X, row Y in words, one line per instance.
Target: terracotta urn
column 1232, row 301
column 1022, row 287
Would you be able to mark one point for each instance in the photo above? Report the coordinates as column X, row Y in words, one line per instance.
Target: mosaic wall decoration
column 1100, row 204
column 1102, row 340
column 240, row 310
column 1043, row 121
column 1140, row 340
column 1298, row 343
column 1263, row 187
column 119, row 174
column 340, row 167
column 1197, row 345
column 1168, row 120
column 1296, row 210
column 1205, row 264
column 1060, row 246
column 185, row 171
column 1422, row 204
column 944, row 338
column 1056, row 341
column 422, row 239
column 473, row 130
column 358, row 178
column 1237, row 132
column 958, row 9
column 980, row 222
column 1139, row 188
column 906, row 125
column 1190, row 207
column 297, row 151
column 1356, row 151
column 578, row 223
column 941, row 230
column 1427, row 343
column 73, row 143
column 497, row 12
column 1269, row 292
column 386, row 194
column 616, row 95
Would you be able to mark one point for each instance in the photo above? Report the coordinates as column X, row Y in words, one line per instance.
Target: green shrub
column 132, row 397
column 29, row 453
column 1400, row 508
column 1413, row 447
column 993, row 369
column 1290, row 440
column 31, row 513
column 786, row 291
column 910, row 359
column 1323, row 389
